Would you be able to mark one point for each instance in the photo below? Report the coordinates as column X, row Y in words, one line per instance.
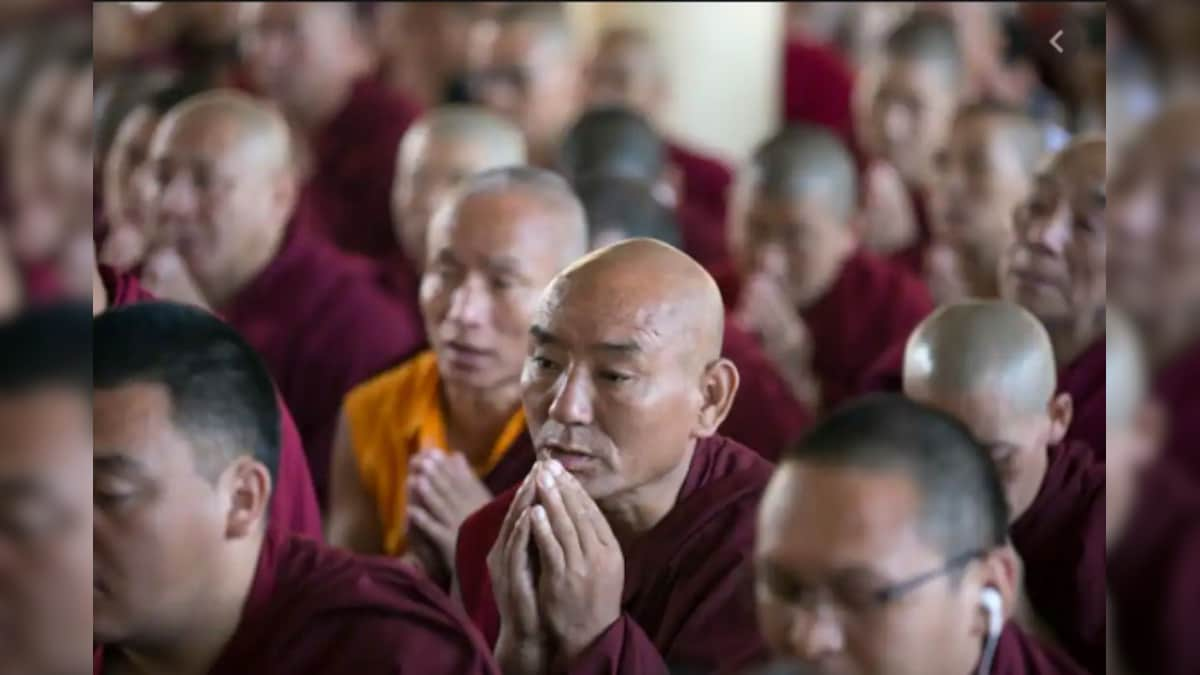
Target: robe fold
column 354, row 163
column 1020, row 654
column 817, row 87
column 1083, row 379
column 706, row 181
column 1061, row 539
column 294, row 502
column 1153, row 575
column 872, row 305
column 1177, row 387
column 316, row 610
column 399, row 413
column 765, row 415
column 323, row 321
column 688, row 599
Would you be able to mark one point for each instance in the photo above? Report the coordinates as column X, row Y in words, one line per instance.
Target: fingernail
column 546, row 479
column 539, row 512
column 555, row 467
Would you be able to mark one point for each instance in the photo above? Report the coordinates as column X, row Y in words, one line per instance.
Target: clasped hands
column 557, row 573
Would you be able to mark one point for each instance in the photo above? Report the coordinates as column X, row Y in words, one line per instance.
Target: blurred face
column 1135, row 220
column 128, row 181
column 608, row 389
column 980, row 182
column 623, row 73
column 798, row 242
column 44, row 532
column 427, row 169
column 68, row 147
column 910, row 116
column 1129, row 447
column 531, row 81
column 1181, row 244
column 829, row 539
column 489, row 260
column 303, row 53
column 157, row 519
column 1017, row 440
column 1056, row 266
column 216, row 197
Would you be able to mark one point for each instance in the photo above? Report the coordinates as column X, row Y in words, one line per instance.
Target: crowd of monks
column 417, row 344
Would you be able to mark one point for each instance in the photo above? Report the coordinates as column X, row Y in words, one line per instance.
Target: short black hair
column 49, row 345
column 222, row 397
column 963, row 504
column 627, row 205
column 800, row 156
column 613, row 141
column 928, row 36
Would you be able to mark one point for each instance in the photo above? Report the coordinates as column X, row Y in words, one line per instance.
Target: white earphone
column 991, row 600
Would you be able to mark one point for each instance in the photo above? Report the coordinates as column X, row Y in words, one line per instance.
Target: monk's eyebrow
column 118, row 464
column 542, row 336
column 628, row 347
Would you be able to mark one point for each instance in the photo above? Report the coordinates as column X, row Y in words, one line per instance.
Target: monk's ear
column 246, row 484
column 1001, row 571
column 1061, row 411
column 719, row 386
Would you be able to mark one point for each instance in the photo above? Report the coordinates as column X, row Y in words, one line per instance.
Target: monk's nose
column 468, row 304
column 572, row 404
column 816, row 635
column 1049, row 233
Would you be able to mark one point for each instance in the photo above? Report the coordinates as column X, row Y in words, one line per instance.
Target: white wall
column 722, row 59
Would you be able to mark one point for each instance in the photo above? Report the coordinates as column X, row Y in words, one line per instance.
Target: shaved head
column 991, row 365
column 499, row 140
column 1014, row 125
column 613, row 141
column 982, row 345
column 805, row 160
column 245, row 122
column 626, row 369
column 929, row 37
column 621, row 208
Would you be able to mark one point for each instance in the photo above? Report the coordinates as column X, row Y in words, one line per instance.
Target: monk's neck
column 634, row 513
column 1072, row 338
column 476, row 417
column 194, row 648
column 260, row 254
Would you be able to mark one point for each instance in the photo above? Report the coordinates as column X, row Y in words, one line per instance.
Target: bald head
column 498, row 141
column 613, row 141
column 929, row 37
column 241, row 123
column 803, row 161
column 1083, row 161
column 990, row 346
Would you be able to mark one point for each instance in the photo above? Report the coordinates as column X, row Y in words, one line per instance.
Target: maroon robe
column 354, row 163
column 703, row 237
column 912, row 257
column 817, row 87
column 887, row 372
column 294, row 502
column 706, row 181
column 1019, row 654
column 1061, row 539
column 1176, row 385
column 316, row 610
column 1153, row 575
column 323, row 321
column 43, row 284
column 873, row 305
column 688, row 599
column 765, row 415
column 1083, row 379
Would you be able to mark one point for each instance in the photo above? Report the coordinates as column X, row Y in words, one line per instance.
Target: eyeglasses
column 898, row 590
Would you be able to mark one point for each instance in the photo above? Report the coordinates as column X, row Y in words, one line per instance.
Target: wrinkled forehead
column 511, row 222
column 615, row 309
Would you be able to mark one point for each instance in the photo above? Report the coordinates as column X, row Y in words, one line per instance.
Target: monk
column 45, row 385
column 423, row 445
column 909, row 93
column 530, row 73
column 1055, row 268
column 312, row 58
column 323, row 321
column 624, row 549
column 824, row 307
column 617, row 141
column 991, row 365
column 439, row 151
column 889, row 517
column 627, row 70
column 765, row 416
column 189, row 576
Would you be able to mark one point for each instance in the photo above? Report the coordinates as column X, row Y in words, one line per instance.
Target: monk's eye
column 543, row 364
column 502, row 283
column 613, row 377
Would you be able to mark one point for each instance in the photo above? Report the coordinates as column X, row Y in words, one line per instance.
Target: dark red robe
column 703, row 238
column 765, row 415
column 817, row 86
column 316, row 610
column 873, row 305
column 294, row 502
column 912, row 257
column 1083, row 379
column 1061, row 539
column 1019, row 654
column 706, row 181
column 1178, row 386
column 43, row 284
column 688, row 600
column 1154, row 575
column 354, row 162
column 323, row 321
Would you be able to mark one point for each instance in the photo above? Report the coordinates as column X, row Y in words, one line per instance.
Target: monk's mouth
column 572, row 459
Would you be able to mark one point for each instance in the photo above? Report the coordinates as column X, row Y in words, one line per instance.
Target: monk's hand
column 889, row 219
column 124, row 248
column 765, row 310
column 521, row 647
column 445, row 491
column 583, row 570
column 166, row 276
column 943, row 274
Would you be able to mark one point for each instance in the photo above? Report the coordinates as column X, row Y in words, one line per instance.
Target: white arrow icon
column 1054, row 42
